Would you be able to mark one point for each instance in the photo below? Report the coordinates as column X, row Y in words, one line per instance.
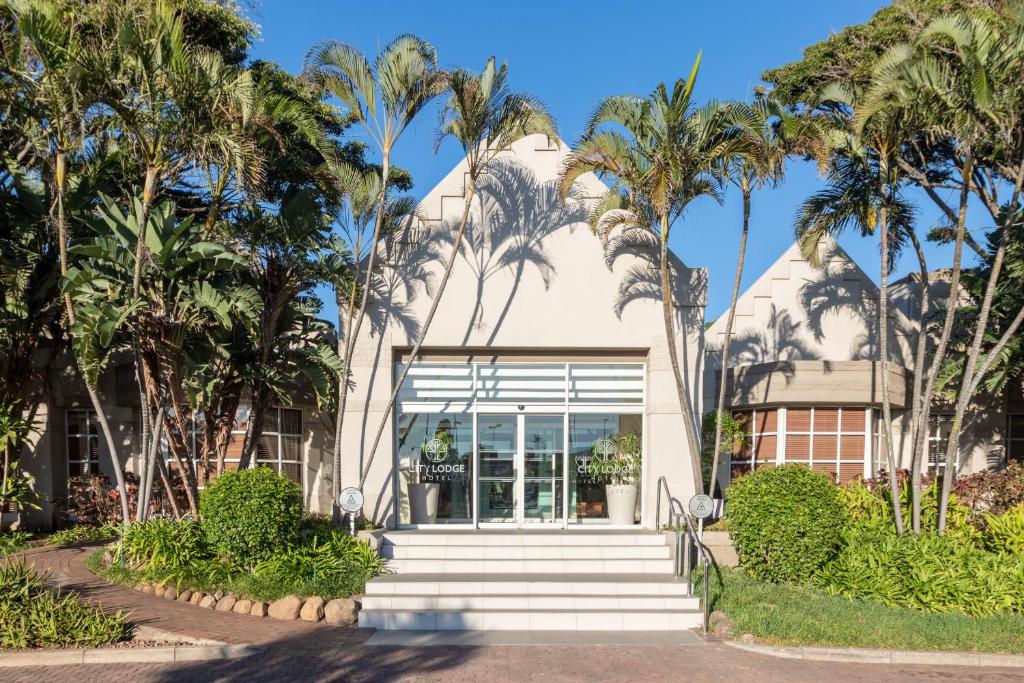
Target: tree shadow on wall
column 519, row 212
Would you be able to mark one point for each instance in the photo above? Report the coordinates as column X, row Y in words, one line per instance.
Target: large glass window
column 587, row 499
column 83, row 439
column 435, row 456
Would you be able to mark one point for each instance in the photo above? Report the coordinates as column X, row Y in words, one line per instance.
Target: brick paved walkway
column 305, row 652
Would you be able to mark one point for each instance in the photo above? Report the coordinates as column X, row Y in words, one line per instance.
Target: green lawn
column 788, row 615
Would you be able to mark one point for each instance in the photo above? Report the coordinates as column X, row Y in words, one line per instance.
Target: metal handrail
column 677, row 513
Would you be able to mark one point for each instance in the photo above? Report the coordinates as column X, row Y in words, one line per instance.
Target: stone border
column 868, row 656
column 127, row 655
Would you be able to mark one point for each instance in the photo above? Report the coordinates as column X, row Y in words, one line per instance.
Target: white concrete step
column 529, row 602
column 525, row 552
column 533, row 620
column 519, row 584
column 596, row 566
column 527, row 537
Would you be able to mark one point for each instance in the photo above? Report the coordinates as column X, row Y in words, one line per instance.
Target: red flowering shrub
column 95, row 500
column 991, row 491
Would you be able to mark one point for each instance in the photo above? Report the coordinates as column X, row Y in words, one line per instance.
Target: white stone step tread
column 526, row 552
column 602, row 566
column 526, row 584
column 526, row 537
column 519, row 601
column 535, row 620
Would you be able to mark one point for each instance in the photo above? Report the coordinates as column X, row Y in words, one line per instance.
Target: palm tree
column 484, row 117
column 384, row 98
column 964, row 74
column 661, row 155
column 52, row 75
column 768, row 134
column 864, row 191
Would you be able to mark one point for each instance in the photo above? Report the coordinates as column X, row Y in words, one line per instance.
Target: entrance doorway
column 522, row 466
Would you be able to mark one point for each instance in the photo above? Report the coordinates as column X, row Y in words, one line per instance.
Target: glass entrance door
column 522, row 469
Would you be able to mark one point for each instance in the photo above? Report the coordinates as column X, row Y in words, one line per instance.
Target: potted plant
column 423, row 496
column 617, row 460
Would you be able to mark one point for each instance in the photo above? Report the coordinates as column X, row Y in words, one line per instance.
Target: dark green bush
column 249, row 515
column 785, row 522
column 31, row 616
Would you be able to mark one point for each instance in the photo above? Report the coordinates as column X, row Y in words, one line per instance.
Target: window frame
column 1011, row 439
column 86, row 436
column 278, row 462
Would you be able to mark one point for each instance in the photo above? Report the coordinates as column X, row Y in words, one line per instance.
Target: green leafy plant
column 13, row 541
column 1005, row 532
column 32, row 616
column 251, row 514
column 928, row 572
column 621, row 466
column 83, row 533
column 785, row 522
column 164, row 544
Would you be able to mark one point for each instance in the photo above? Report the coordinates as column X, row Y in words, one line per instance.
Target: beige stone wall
column 531, row 276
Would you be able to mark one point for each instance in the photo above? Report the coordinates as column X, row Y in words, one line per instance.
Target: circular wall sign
column 701, row 506
column 350, row 499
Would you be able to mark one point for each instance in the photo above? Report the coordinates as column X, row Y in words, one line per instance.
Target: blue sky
column 571, row 54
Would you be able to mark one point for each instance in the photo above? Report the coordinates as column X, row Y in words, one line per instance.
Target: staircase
column 528, row 580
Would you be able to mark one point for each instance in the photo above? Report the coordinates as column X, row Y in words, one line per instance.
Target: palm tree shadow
column 519, row 213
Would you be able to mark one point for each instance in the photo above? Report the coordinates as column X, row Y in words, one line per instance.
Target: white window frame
column 937, row 463
column 86, row 436
column 278, row 462
column 838, row 433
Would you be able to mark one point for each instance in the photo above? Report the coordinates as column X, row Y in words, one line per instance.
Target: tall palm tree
column 768, row 133
column 53, row 78
column 965, row 74
column 864, row 191
column 484, row 117
column 661, row 153
column 384, row 98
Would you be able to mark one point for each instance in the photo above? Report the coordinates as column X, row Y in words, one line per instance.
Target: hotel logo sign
column 436, row 450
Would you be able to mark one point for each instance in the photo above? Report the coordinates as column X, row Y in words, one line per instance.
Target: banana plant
column 187, row 296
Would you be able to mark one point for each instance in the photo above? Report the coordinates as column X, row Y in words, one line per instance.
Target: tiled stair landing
column 539, row 580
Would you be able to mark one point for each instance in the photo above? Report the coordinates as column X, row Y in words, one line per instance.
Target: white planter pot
column 621, row 503
column 423, row 502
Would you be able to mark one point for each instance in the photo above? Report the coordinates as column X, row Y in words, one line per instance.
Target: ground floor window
column 1015, row 439
column 515, row 443
column 940, row 426
column 280, row 445
column 83, row 441
column 831, row 440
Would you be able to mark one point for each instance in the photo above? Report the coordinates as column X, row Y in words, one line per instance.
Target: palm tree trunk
column 146, row 483
column 728, row 336
column 967, row 384
column 668, row 314
column 94, row 398
column 456, row 246
column 883, row 352
column 356, row 324
column 917, row 393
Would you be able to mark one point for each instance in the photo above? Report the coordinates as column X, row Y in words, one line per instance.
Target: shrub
column 869, row 508
column 83, row 533
column 991, row 492
column 785, row 522
column 33, row 616
column 164, row 544
column 926, row 572
column 248, row 515
column 1005, row 532
column 95, row 500
column 13, row 541
column 338, row 559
